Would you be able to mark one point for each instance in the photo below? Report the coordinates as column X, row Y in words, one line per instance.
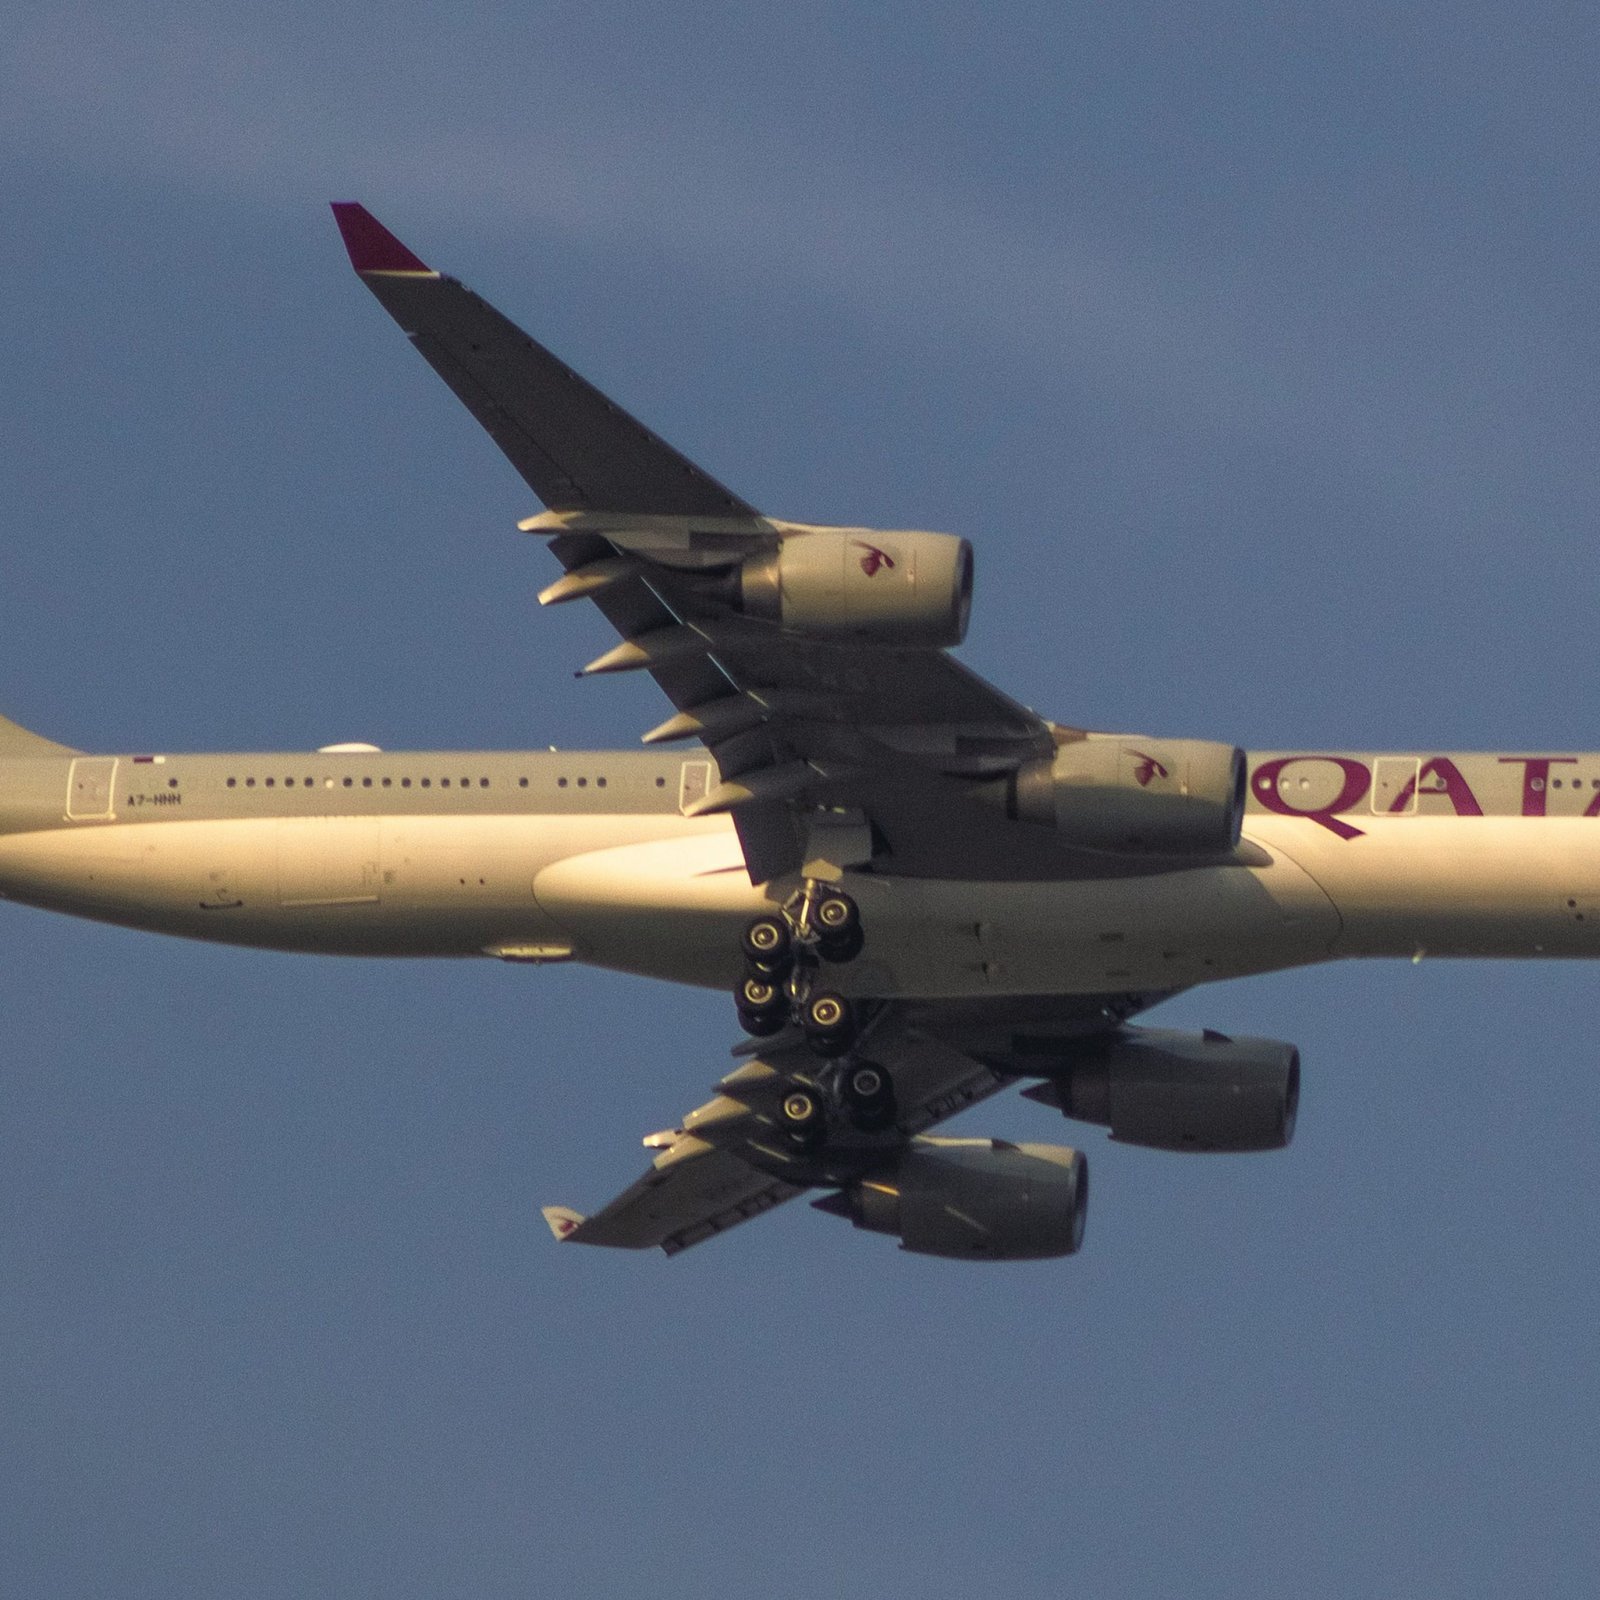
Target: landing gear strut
column 783, row 953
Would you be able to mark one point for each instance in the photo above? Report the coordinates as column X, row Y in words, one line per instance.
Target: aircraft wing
column 796, row 725
column 729, row 1161
column 577, row 450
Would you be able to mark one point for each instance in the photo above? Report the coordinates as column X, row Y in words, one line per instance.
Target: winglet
column 372, row 247
column 563, row 1220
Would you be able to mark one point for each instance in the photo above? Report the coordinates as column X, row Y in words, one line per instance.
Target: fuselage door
column 91, row 788
column 694, row 783
column 1394, row 786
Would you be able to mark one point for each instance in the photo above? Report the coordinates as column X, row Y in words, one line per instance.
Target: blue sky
column 1253, row 347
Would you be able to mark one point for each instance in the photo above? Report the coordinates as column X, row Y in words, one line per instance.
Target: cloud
column 1227, row 346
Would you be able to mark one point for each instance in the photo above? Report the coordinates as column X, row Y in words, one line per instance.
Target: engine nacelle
column 864, row 586
column 1183, row 1091
column 975, row 1200
column 1126, row 793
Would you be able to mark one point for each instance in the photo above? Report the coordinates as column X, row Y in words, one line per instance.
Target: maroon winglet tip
column 372, row 247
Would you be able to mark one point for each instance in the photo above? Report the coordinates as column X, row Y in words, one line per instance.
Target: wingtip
column 563, row 1220
column 372, row 247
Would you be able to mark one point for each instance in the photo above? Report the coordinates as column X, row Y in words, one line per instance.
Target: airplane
column 918, row 891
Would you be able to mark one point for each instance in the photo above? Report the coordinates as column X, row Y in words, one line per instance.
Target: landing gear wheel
column 841, row 950
column 835, row 914
column 868, row 1094
column 763, row 1007
column 829, row 1023
column 759, row 993
column 801, row 1114
column 837, row 920
column 768, row 945
column 760, row 1024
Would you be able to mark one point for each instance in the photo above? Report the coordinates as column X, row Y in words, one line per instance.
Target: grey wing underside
column 794, row 724
column 729, row 1162
column 576, row 449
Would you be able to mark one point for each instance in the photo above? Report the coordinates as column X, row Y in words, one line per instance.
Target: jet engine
column 1127, row 793
column 974, row 1199
column 860, row 585
column 1182, row 1091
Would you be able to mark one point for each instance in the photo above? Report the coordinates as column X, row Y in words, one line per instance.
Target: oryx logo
column 1148, row 769
column 875, row 560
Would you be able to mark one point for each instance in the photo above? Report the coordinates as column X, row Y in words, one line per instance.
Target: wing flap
column 696, row 1196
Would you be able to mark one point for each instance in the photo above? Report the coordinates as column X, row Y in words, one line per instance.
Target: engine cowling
column 975, row 1200
column 1183, row 1091
column 1127, row 793
column 865, row 586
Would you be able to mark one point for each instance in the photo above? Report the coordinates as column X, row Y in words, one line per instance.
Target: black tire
column 763, row 1006
column 759, row 992
column 846, row 948
column 878, row 1120
column 830, row 1024
column 835, row 916
column 761, row 1024
column 802, row 1114
column 768, row 945
column 868, row 1094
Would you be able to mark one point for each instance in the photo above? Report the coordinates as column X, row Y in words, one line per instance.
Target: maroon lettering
column 1447, row 781
column 1593, row 808
column 1536, row 779
column 1357, row 780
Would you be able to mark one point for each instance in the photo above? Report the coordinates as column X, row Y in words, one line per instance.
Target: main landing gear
column 857, row 1093
column 785, row 954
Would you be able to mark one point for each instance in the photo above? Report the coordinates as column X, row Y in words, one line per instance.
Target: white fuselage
column 547, row 856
